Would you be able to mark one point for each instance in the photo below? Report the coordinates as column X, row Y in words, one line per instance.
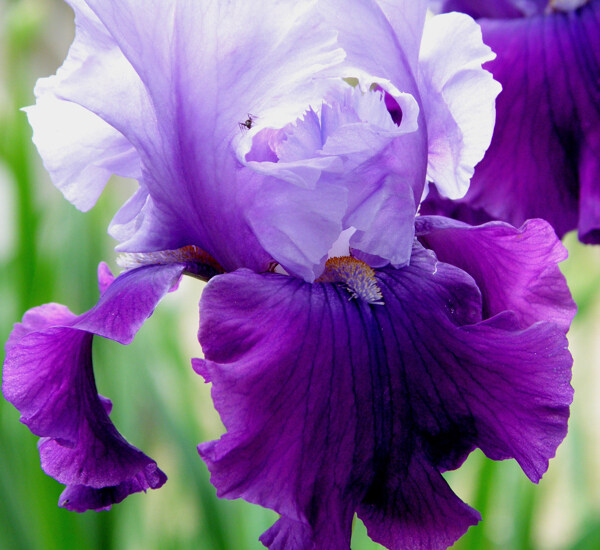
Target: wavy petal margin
column 48, row 376
column 334, row 407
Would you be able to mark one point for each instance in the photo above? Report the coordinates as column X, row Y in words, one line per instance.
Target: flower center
column 315, row 138
column 198, row 263
column 356, row 275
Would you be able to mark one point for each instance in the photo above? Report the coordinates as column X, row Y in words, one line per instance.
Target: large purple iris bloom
column 385, row 347
column 544, row 157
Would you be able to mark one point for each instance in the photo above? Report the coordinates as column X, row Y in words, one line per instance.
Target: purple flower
column 298, row 137
column 543, row 160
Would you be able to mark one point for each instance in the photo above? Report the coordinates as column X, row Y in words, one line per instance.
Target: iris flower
column 355, row 351
column 544, row 157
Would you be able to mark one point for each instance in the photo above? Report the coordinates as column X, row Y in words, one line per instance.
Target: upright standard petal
column 543, row 160
column 438, row 62
column 176, row 80
column 335, row 406
column 79, row 149
column 458, row 100
column 48, row 376
column 450, row 130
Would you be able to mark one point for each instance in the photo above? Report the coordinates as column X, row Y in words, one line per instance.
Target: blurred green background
column 49, row 252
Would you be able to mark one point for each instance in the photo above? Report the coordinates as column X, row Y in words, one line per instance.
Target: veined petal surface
column 334, row 407
column 515, row 269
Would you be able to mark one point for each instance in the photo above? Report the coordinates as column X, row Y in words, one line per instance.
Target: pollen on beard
column 358, row 278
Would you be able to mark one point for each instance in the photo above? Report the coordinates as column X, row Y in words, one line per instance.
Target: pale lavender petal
column 79, row 149
column 294, row 153
column 299, row 224
column 459, row 121
column 301, row 140
column 394, row 30
column 341, row 152
column 393, row 51
column 382, row 211
column 454, row 126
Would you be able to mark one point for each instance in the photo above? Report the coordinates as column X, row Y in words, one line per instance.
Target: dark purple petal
column 333, row 406
column 457, row 210
column 48, row 376
column 419, row 498
column 515, row 269
column 96, row 455
column 287, row 534
column 129, row 301
column 543, row 160
column 38, row 372
column 39, row 318
column 80, row 498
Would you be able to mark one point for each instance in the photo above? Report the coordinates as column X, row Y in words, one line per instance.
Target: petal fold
column 48, row 376
column 515, row 269
column 460, row 121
